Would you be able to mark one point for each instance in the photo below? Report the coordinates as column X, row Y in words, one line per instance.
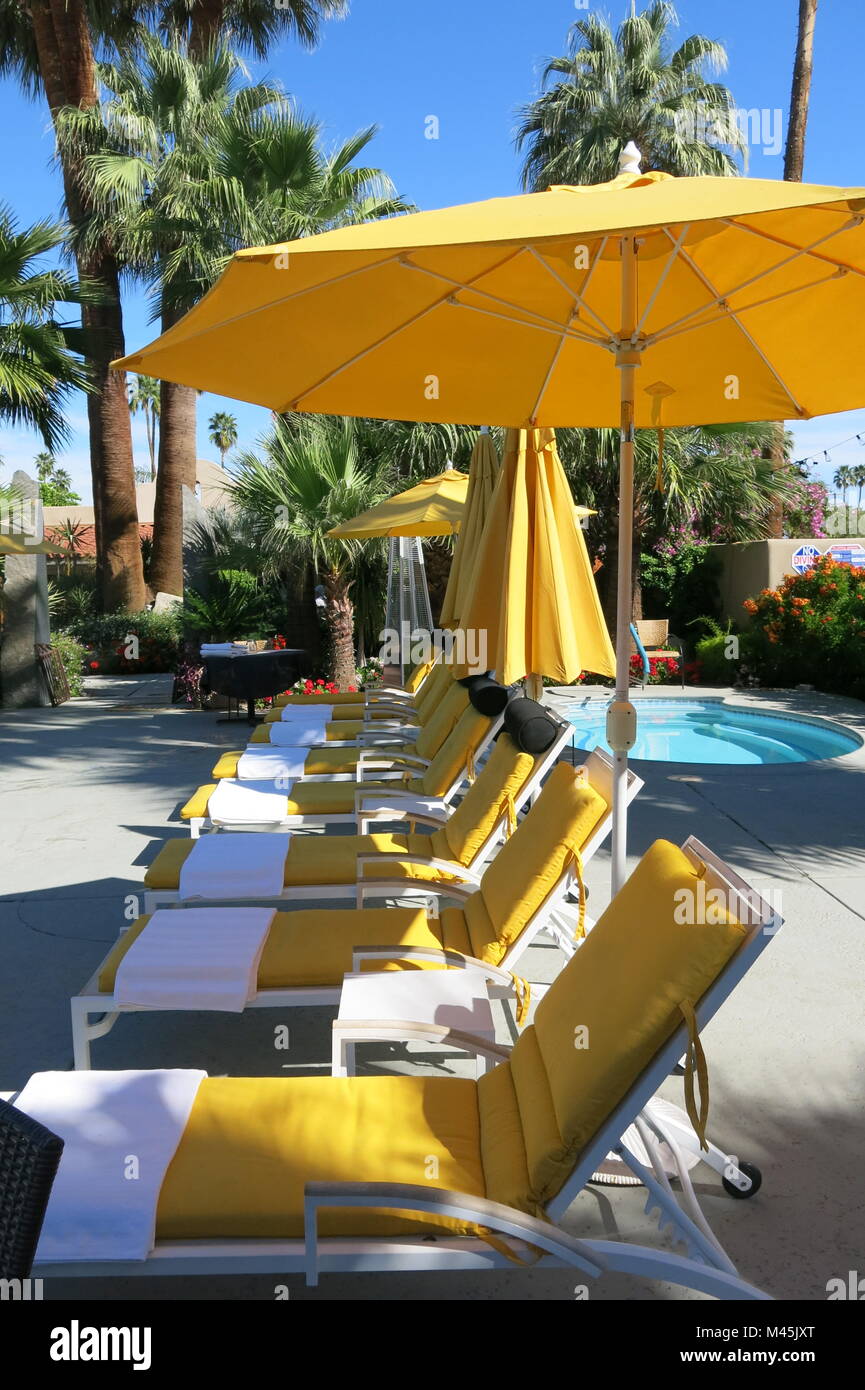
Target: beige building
column 210, row 489
column 749, row 566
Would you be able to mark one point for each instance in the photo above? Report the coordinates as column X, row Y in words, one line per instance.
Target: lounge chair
column 321, row 1174
column 347, row 723
column 308, row 951
column 415, row 682
column 336, row 800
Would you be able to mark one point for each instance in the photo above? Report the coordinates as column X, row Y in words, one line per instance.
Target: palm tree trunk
column 176, row 470
column 207, row 20
column 66, row 63
column 340, row 621
column 794, row 170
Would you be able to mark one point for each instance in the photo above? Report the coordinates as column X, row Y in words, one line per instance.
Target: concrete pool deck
column 91, row 788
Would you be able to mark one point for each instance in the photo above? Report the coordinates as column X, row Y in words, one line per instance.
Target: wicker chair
column 658, row 641
column 29, row 1155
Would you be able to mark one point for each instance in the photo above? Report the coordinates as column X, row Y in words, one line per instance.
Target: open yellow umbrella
column 433, row 507
column 483, row 472
column 533, row 593
column 734, row 299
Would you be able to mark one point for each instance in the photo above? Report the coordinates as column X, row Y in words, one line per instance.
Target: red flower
column 94, row 665
column 352, row 689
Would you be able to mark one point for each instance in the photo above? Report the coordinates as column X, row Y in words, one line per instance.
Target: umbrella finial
column 629, row 159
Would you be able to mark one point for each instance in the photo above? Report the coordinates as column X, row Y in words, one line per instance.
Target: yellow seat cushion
column 441, row 721
column 197, row 804
column 333, row 858
column 226, row 766
column 164, row 872
column 251, row 1144
column 314, row 946
column 533, row 860
column 464, row 741
column 623, row 986
column 331, row 798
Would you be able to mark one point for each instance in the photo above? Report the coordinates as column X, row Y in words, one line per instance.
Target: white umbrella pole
column 621, row 715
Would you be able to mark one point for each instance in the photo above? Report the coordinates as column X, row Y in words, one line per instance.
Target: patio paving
column 91, row 787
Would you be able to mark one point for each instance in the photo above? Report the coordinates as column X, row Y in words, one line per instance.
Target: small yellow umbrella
column 19, row 544
column 534, row 594
column 433, row 507
column 483, row 472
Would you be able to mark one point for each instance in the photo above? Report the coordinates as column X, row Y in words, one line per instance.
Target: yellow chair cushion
column 313, row 947
column 197, row 804
column 164, row 872
column 331, row 798
column 251, row 1144
column 624, row 987
column 441, row 721
column 226, row 766
column 532, row 861
column 333, row 858
column 464, row 740
column 501, row 779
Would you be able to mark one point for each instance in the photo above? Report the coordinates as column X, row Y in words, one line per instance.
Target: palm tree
column 144, row 397
column 44, row 463
column 48, row 46
column 630, row 85
column 309, row 479
column 184, row 164
column 794, row 153
column 223, row 433
column 843, row 479
column 38, row 369
column 255, row 25
column 858, row 477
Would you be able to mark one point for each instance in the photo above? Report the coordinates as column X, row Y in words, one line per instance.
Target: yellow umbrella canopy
column 483, row 472
column 750, row 306
column 19, row 544
column 534, row 594
column 434, row 507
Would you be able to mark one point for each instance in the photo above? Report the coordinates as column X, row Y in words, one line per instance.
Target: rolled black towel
column 530, row 725
column 487, row 696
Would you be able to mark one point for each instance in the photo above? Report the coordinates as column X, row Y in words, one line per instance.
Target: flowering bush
column 128, row 643
column 812, row 629
column 662, row 669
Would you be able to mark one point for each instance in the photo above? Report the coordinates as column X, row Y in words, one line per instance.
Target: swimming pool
column 709, row 731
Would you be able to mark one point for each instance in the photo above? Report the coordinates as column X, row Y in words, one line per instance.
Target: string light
column 814, row 458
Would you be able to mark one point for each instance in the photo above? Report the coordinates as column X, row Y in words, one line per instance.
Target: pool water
column 708, row 731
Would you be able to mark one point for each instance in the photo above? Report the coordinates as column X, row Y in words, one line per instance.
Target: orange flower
column 749, row 606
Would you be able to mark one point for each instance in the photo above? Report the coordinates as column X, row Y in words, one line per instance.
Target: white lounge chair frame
column 705, row 1267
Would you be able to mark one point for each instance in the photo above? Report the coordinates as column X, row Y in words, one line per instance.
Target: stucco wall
column 749, row 566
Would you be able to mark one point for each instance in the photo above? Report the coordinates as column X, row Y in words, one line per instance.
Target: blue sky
column 472, row 63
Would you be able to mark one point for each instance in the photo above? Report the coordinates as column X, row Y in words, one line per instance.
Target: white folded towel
column 261, row 761
column 198, row 958
column 121, row 1130
column 313, row 717
column 296, row 736
column 248, row 803
column 306, row 730
column 235, row 865
column 224, row 649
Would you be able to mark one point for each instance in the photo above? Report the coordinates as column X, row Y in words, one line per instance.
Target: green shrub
column 72, row 655
column 111, row 650
column 681, row 586
column 233, row 608
column 811, row 630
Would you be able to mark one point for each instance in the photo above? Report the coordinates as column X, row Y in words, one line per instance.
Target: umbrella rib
column 671, row 260
column 458, row 285
column 380, row 342
column 802, row 250
column 721, row 299
column 558, row 330
column 731, row 313
column 552, row 367
column 579, row 298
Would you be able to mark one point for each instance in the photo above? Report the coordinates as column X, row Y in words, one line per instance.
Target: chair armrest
column 494, row 1216
column 429, row 887
column 387, row 810
column 439, row 954
column 412, row 1030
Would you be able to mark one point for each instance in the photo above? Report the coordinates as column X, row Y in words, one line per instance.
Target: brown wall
column 749, row 566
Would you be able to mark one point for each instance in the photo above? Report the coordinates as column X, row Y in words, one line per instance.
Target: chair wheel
column 751, row 1171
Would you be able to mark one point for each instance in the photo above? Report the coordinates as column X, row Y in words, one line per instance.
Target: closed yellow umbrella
column 483, row 472
column 433, row 507
column 533, row 593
